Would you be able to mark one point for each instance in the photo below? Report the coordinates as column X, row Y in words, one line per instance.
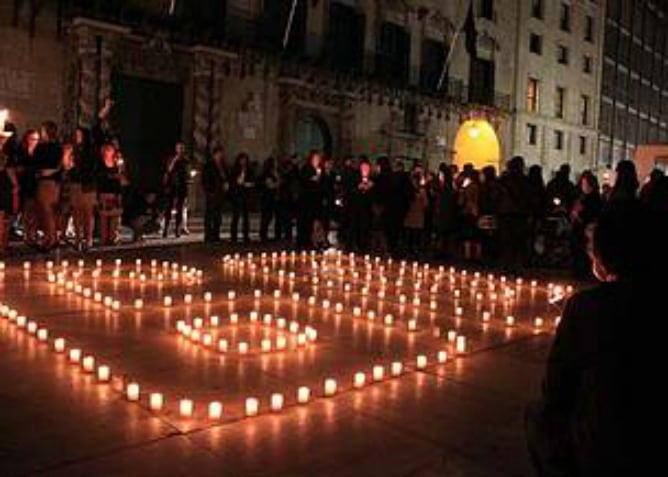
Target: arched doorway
column 477, row 143
column 311, row 132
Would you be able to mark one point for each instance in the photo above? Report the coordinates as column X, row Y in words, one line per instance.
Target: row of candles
column 186, row 407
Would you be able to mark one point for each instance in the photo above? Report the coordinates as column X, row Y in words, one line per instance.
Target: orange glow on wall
column 476, row 143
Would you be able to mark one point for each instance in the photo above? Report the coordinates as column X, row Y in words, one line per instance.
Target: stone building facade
column 61, row 65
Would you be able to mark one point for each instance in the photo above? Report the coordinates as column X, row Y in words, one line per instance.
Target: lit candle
column 266, row 345
column 257, row 293
column 388, row 320
column 198, row 323
column 281, row 342
column 359, row 380
column 253, row 316
column 103, row 373
column 277, row 402
column 252, row 406
column 75, row 355
column 42, row 334
column 452, row 335
column 88, row 364
column 132, row 392
column 421, row 361
column 243, row 347
column 116, row 305
column 357, row 311
column 207, row 339
column 339, row 307
column 231, row 295
column 97, row 297
column 330, row 387
column 156, row 401
column 139, row 304
column 214, row 320
column 215, row 410
column 510, row 320
column 188, row 298
column 303, row 395
column 21, row 321
column 442, row 356
column 223, row 345
column 301, row 339
column 459, row 311
column 538, row 322
column 485, row 316
column 396, row 368
column 234, row 318
column 378, row 373
column 108, row 301
column 59, row 345
column 461, row 344
column 32, row 327
column 207, row 297
column 186, row 407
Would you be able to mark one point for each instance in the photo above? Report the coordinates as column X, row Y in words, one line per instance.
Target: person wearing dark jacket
column 286, row 198
column 361, row 202
column 514, row 214
column 626, row 183
column 84, row 189
column 215, row 185
column 560, row 190
column 241, row 183
column 175, row 180
column 309, row 213
column 583, row 215
column 48, row 155
column 268, row 184
column 109, row 186
column 597, row 414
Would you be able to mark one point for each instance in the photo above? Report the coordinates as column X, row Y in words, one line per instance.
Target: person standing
column 48, row 155
column 241, row 184
column 361, row 202
column 84, row 189
column 215, row 184
column 287, row 194
column 414, row 217
column 27, row 179
column 309, row 212
column 268, row 183
column 175, row 181
column 8, row 190
column 583, row 215
column 446, row 212
column 626, row 183
column 65, row 197
column 110, row 183
column 468, row 198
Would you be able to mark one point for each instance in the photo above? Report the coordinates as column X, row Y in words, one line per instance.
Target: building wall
column 550, row 74
column 32, row 70
column 634, row 92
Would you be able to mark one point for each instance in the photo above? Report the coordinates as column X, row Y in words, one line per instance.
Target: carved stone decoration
column 86, row 53
column 251, row 117
column 202, row 78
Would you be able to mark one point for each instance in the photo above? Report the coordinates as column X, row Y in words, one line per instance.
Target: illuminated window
column 532, row 95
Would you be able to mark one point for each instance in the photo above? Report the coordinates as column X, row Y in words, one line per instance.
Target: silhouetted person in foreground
column 597, row 415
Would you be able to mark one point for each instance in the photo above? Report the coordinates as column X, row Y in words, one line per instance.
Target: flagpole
column 288, row 27
column 451, row 50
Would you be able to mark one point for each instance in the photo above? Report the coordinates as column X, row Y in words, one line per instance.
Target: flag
column 471, row 35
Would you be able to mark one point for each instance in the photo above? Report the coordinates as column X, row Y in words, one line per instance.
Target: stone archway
column 476, row 143
column 312, row 132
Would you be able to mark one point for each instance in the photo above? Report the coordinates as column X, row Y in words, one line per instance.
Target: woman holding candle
column 595, row 415
column 109, row 182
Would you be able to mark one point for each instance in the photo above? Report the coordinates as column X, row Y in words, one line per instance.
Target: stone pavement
column 460, row 417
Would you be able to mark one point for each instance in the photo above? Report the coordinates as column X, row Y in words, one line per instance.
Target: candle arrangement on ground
column 287, row 313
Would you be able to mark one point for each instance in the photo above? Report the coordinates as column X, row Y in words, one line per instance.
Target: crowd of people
column 67, row 191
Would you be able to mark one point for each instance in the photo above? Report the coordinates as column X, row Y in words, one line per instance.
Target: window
column 562, row 55
column 537, row 9
column 587, row 64
column 584, row 109
column 536, row 44
column 345, row 38
column 559, row 98
column 532, row 95
column 481, row 83
column 431, row 67
column 589, row 29
column 565, row 17
column 487, row 9
column 532, row 134
column 393, row 54
column 559, row 140
column 583, row 145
